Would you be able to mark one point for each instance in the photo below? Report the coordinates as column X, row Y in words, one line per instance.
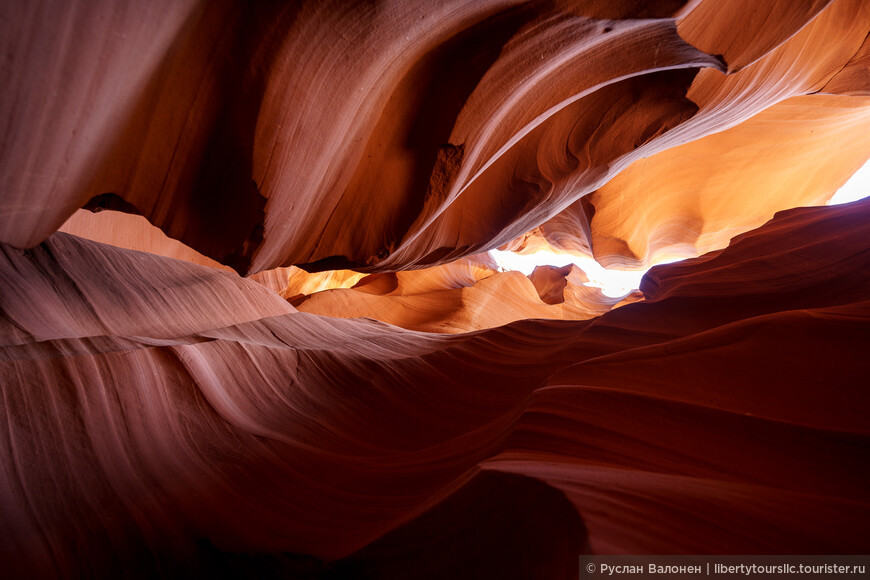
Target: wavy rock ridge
column 311, row 443
column 377, row 399
column 341, row 134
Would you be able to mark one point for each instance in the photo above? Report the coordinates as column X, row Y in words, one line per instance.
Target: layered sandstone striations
column 377, row 399
column 174, row 417
column 395, row 135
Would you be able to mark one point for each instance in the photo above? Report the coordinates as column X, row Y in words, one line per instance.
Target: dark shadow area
column 110, row 201
column 184, row 155
column 498, row 525
column 417, row 123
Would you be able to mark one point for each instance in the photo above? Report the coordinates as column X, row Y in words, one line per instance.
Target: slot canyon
column 252, row 328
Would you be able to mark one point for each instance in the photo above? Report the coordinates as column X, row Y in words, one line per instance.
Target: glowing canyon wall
column 250, row 329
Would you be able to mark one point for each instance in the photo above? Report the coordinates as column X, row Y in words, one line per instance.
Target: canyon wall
column 249, row 327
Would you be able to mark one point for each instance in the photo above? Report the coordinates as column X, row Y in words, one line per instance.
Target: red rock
column 405, row 152
column 192, row 439
column 422, row 414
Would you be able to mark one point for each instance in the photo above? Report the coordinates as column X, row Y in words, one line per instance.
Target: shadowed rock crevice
column 520, row 527
column 411, row 140
column 189, row 168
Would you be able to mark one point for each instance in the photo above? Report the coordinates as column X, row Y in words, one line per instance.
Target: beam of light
column 613, row 283
column 858, row 187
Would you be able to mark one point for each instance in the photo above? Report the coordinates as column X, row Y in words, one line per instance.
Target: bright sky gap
column 617, row 283
column 858, row 187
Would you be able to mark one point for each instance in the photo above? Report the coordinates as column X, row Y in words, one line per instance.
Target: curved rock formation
column 404, row 151
column 377, row 399
column 463, row 296
column 132, row 232
column 301, row 440
column 677, row 205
